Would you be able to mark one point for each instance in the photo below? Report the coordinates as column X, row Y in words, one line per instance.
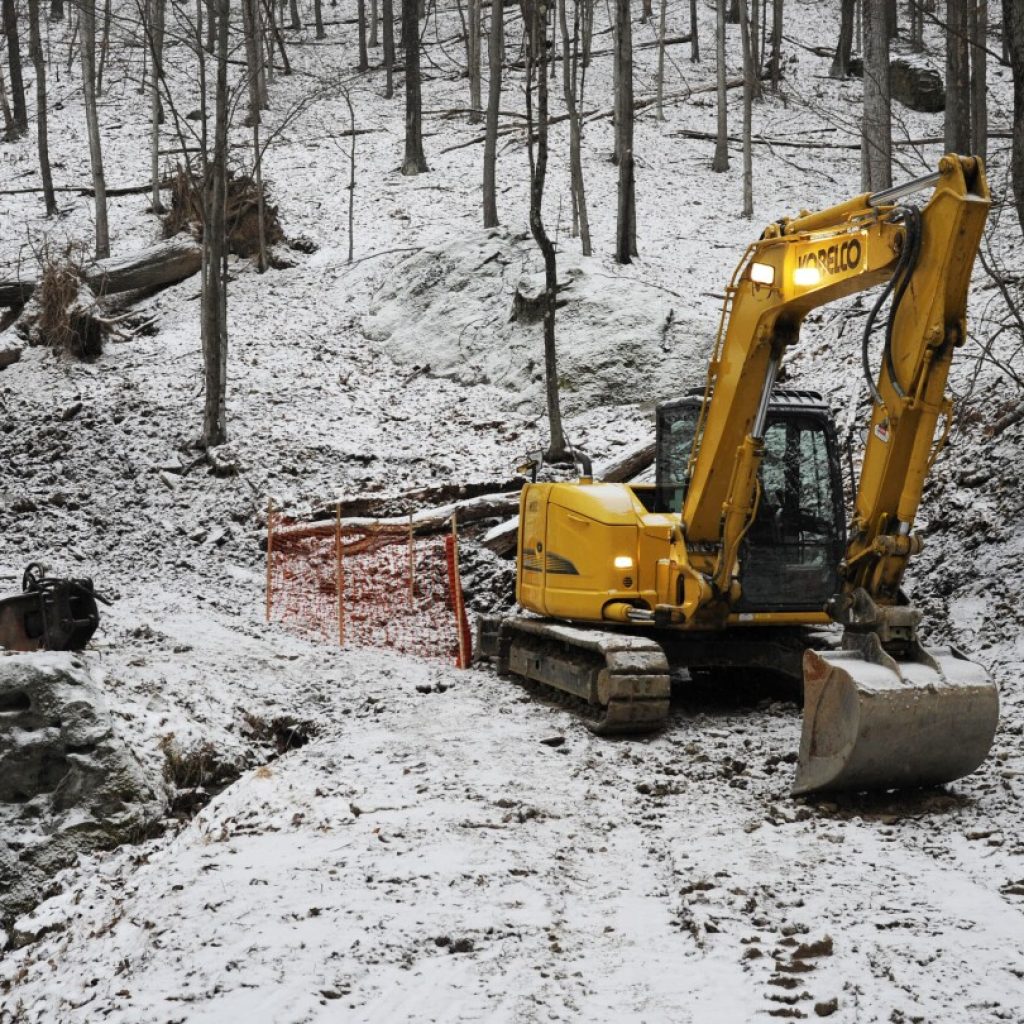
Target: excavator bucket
column 871, row 722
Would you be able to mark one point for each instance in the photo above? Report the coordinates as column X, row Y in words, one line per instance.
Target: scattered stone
column 916, row 85
column 827, row 1007
column 553, row 741
column 69, row 412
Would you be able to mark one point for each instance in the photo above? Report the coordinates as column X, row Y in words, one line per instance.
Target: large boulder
column 917, row 85
column 912, row 82
column 471, row 311
column 68, row 781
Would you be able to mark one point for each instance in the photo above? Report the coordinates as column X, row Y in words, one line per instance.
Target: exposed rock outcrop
column 68, row 781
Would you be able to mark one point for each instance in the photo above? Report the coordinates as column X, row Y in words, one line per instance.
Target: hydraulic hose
column 901, row 278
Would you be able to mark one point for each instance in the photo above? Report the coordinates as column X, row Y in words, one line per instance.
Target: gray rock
column 68, row 782
column 917, row 85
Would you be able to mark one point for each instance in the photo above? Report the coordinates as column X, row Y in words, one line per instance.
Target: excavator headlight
column 806, row 276
column 623, row 562
column 762, row 273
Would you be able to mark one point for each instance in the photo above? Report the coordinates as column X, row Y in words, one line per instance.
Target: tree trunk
column 625, row 230
column 588, row 31
column 56, row 10
column 979, row 76
column 891, row 18
column 155, row 34
column 473, row 42
column 214, row 292
column 876, row 130
column 374, row 23
column 493, row 104
column 104, row 47
column 364, row 57
column 318, row 19
column 351, row 175
column 36, row 53
column 88, row 23
column 581, row 219
column 10, row 17
column 538, row 170
column 752, row 18
column 1013, row 31
column 415, row 162
column 694, row 39
column 10, row 128
column 660, row 77
column 252, row 26
column 958, row 77
column 748, row 101
column 776, row 59
column 646, row 11
column 721, row 161
column 733, row 15
column 296, row 22
column 388, row 10
column 841, row 61
column 916, row 26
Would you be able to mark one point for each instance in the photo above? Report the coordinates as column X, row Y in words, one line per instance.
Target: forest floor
column 443, row 845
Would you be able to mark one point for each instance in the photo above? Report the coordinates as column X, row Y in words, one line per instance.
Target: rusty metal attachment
column 50, row 614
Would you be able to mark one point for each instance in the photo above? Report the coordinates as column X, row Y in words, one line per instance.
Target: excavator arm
column 885, row 710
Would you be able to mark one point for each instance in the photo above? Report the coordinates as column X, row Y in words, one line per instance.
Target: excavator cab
column 790, row 556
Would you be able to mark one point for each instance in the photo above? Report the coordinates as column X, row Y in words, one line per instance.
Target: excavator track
column 621, row 681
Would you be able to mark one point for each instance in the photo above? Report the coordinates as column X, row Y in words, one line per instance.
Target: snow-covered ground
column 426, row 855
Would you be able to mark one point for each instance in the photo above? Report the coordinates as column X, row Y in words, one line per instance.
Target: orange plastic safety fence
column 362, row 588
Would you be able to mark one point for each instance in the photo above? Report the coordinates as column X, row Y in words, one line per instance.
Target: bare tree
column 957, row 124
column 752, row 19
column 87, row 19
column 572, row 81
column 473, row 45
column 694, row 36
column 10, row 128
column 775, row 61
column 374, row 23
column 214, row 301
column 876, row 129
column 916, row 25
column 841, row 61
column 252, row 30
column 493, row 105
column 1013, row 31
column 10, row 19
column 39, row 64
column 721, row 161
column 625, row 229
column 557, row 448
column 364, row 57
column 154, row 25
column 388, row 10
column 318, row 19
column 979, row 78
column 660, row 77
column 415, row 162
column 296, row 20
column 56, row 10
column 748, row 101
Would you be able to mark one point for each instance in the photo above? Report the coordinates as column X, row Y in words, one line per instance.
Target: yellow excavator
column 737, row 556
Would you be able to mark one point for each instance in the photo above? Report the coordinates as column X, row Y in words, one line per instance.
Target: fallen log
column 468, row 510
column 154, row 267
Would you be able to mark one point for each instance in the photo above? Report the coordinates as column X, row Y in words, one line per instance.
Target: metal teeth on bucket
column 874, row 723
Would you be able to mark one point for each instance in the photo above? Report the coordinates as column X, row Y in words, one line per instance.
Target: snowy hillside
column 394, row 840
